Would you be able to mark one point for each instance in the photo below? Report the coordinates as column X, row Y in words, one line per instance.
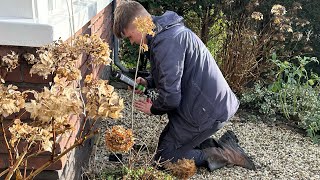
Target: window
column 39, row 22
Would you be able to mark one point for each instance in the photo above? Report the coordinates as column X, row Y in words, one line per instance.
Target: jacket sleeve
column 170, row 56
column 150, row 81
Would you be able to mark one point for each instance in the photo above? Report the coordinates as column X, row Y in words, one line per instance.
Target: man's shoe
column 229, row 153
column 210, row 142
column 229, row 135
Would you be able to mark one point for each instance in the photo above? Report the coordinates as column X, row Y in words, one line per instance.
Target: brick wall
column 68, row 167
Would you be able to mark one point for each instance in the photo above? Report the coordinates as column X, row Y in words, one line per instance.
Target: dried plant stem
column 7, row 143
column 72, row 15
column 35, row 154
column 25, row 169
column 16, row 165
column 90, row 128
column 92, row 125
column 19, row 117
column 43, row 167
column 82, row 100
column 134, row 85
column 83, row 125
column 54, row 139
column 4, row 172
column 85, row 62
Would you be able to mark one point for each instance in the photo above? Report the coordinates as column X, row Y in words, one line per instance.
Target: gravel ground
column 278, row 153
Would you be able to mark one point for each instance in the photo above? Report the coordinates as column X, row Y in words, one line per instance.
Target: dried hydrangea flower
column 278, row 10
column 144, row 25
column 119, row 139
column 257, row 16
column 54, row 103
column 102, row 100
column 144, row 47
column 88, row 78
column 30, row 58
column 23, row 131
column 11, row 100
column 64, row 55
column 182, row 169
column 10, row 61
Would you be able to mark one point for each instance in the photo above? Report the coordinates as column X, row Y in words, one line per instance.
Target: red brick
column 94, row 19
column 98, row 25
column 13, row 76
column 4, row 50
column 85, row 29
column 21, row 146
column 35, row 162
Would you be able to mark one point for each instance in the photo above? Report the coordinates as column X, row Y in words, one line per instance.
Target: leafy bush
column 294, row 94
column 128, row 53
column 241, row 34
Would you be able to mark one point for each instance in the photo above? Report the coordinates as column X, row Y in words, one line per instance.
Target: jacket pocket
column 202, row 110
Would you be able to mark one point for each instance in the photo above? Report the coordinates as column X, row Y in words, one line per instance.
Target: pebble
column 278, row 153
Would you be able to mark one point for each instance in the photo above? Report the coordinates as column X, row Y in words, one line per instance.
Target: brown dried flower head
column 10, row 61
column 182, row 169
column 257, row 16
column 278, row 10
column 45, row 65
column 88, row 79
column 118, row 139
column 144, row 25
column 69, row 71
column 64, row 56
column 59, row 101
column 102, row 100
column 30, row 58
column 96, row 47
column 23, row 131
column 11, row 100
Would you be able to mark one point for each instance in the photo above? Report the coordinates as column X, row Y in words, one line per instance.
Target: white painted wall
column 39, row 22
column 16, row 8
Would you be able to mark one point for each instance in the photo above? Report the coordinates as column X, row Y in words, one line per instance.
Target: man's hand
column 142, row 82
column 143, row 106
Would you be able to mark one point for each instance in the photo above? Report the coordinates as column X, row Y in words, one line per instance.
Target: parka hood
column 167, row 20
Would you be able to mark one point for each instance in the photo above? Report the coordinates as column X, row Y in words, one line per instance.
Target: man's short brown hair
column 124, row 14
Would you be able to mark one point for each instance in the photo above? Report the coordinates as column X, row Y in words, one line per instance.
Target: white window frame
column 39, row 22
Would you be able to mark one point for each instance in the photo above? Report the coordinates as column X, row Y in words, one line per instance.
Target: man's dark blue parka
column 192, row 89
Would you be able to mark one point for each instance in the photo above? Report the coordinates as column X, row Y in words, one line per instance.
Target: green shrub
column 294, row 93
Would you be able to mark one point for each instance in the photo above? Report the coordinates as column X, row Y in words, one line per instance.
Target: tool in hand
column 132, row 83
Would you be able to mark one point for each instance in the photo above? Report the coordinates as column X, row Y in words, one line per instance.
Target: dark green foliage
column 294, row 93
column 128, row 53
